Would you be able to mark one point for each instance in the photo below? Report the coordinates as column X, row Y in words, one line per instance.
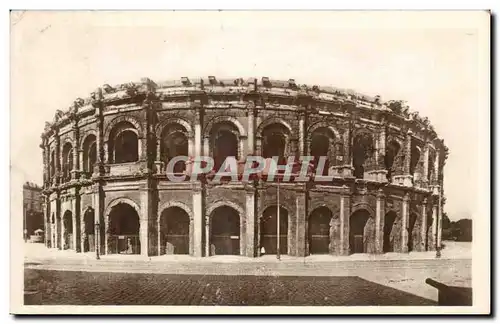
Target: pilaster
column 250, row 208
column 198, row 221
column 301, row 213
column 405, row 212
column 345, row 212
column 379, row 221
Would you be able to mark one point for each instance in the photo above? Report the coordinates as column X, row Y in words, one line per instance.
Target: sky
column 433, row 61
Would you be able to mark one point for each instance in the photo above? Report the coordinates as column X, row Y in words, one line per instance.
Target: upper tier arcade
column 133, row 129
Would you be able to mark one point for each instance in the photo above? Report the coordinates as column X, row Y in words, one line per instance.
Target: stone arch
column 122, row 200
column 227, row 203
column 179, row 238
column 268, row 229
column 220, row 239
column 85, row 136
column 124, row 118
column 179, row 204
column 323, row 124
column 363, row 205
column 270, row 121
column 220, row 119
column 361, row 231
column 161, row 126
column 112, row 240
column 321, row 226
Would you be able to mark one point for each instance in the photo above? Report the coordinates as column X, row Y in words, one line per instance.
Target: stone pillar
column 58, row 158
column 423, row 228
column 81, row 226
column 345, row 213
column 407, row 149
column 302, row 132
column 197, row 133
column 425, row 176
column 250, row 209
column 147, row 231
column 439, row 223
column 46, row 221
column 198, row 221
column 76, row 226
column 379, row 221
column 301, row 211
column 404, row 222
column 251, row 128
column 348, row 167
column 62, row 229
column 75, row 172
column 434, row 225
column 100, row 221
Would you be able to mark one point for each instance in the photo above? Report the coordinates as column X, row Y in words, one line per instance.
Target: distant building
column 32, row 208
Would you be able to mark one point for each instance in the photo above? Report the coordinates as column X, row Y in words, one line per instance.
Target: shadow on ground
column 106, row 288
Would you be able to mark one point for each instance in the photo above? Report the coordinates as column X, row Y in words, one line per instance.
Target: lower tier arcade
column 155, row 218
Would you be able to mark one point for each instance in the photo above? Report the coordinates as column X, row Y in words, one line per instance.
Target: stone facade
column 105, row 185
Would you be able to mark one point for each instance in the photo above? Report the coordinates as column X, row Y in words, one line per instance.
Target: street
column 107, row 288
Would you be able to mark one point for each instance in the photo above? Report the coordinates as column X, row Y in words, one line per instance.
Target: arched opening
column 52, row 164
column 412, row 233
column 319, row 231
column 123, row 144
column 174, row 231
column 415, row 158
column 361, row 230
column 89, row 154
column 123, row 230
column 89, row 232
column 429, row 240
column 57, row 232
column 431, row 168
column 174, row 142
column 225, row 231
column 225, row 141
column 274, row 142
column 67, row 161
column 68, row 230
column 322, row 144
column 362, row 152
column 269, row 230
column 391, row 152
column 389, row 221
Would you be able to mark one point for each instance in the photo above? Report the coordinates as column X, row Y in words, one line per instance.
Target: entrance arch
column 389, row 221
column 123, row 230
column 413, row 232
column 361, row 232
column 269, row 230
column 319, row 230
column 88, row 230
column 68, row 230
column 225, row 231
column 174, row 231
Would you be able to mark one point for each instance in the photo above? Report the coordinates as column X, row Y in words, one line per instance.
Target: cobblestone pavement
column 107, row 288
column 407, row 275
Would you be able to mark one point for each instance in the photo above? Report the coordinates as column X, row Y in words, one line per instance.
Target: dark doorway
column 269, row 230
column 225, row 238
column 319, row 231
column 390, row 219
column 174, row 231
column 123, row 230
column 411, row 235
column 357, row 237
column 68, row 230
column 89, row 234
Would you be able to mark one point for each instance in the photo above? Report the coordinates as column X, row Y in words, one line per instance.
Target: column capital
column 380, row 193
column 406, row 197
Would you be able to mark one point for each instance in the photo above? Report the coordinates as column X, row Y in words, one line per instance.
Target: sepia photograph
column 250, row 162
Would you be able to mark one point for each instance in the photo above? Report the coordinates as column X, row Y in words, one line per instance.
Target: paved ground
column 106, row 288
column 396, row 278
